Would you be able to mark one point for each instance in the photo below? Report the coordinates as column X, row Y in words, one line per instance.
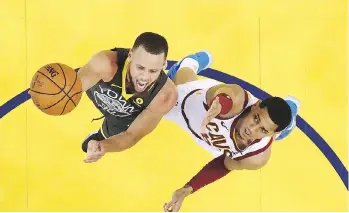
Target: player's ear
column 254, row 106
column 165, row 65
column 130, row 53
column 275, row 135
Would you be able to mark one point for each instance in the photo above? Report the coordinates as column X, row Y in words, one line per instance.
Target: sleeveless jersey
column 191, row 110
column 121, row 109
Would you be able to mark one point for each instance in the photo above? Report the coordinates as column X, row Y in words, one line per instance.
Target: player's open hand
column 94, row 151
column 214, row 110
column 177, row 199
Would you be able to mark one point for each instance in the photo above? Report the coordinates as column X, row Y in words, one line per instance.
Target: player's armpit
column 102, row 65
column 231, row 164
column 255, row 162
column 145, row 122
column 234, row 92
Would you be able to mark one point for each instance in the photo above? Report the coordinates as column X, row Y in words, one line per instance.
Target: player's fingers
column 95, row 147
column 95, row 158
column 165, row 207
column 214, row 108
column 87, row 161
column 213, row 104
column 94, row 153
column 99, row 147
column 204, row 123
column 177, row 206
column 91, row 149
column 97, row 154
column 219, row 106
column 216, row 102
column 168, row 206
column 210, row 116
column 91, row 158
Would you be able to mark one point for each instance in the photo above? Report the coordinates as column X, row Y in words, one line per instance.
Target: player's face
column 145, row 68
column 256, row 124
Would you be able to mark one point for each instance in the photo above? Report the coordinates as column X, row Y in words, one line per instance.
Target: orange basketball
column 56, row 89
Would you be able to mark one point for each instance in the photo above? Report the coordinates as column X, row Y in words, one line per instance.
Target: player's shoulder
column 104, row 64
column 121, row 54
column 111, row 56
column 240, row 98
column 256, row 159
column 165, row 99
column 105, row 56
column 239, row 93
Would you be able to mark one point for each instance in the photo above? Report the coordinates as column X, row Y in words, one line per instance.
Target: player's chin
column 241, row 134
column 139, row 90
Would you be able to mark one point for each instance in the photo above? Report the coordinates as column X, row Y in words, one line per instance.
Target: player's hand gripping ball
column 56, row 89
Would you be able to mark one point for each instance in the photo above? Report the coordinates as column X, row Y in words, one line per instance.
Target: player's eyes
column 255, row 118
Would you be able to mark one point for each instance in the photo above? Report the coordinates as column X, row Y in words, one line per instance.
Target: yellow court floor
column 297, row 48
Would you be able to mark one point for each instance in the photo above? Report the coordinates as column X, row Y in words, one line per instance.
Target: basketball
column 56, row 89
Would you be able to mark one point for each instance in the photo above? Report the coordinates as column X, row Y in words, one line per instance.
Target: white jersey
column 190, row 111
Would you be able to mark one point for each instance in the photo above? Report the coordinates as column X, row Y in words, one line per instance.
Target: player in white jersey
column 217, row 137
column 228, row 121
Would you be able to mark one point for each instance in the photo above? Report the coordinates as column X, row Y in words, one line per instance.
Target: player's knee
column 184, row 75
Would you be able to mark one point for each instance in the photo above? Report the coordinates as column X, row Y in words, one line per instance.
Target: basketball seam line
column 43, row 93
column 68, row 101
column 76, row 76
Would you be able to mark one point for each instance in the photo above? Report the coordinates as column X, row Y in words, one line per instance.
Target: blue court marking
column 260, row 94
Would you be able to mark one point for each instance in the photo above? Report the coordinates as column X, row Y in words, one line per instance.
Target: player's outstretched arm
column 102, row 65
column 144, row 124
column 213, row 171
